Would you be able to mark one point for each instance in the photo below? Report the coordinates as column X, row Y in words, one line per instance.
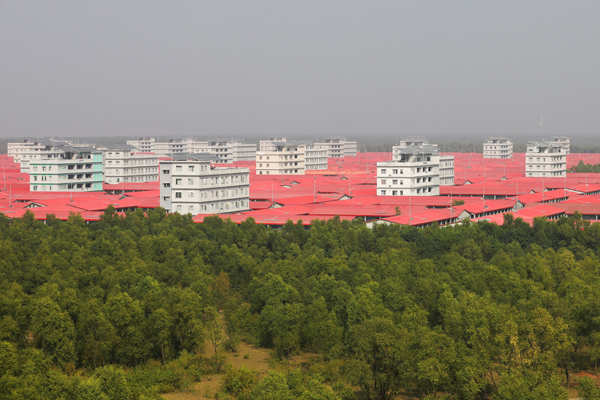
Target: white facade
column 338, row 148
column 446, row 170
column 280, row 158
column 564, row 142
column 545, row 159
column 498, row 147
column 315, row 158
column 170, row 147
column 227, row 151
column 414, row 171
column 196, row 187
column 125, row 166
column 142, row 144
column 26, row 152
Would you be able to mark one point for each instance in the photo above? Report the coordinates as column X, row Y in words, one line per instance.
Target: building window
column 177, row 195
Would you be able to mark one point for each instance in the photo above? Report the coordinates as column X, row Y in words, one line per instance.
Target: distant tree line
column 583, row 167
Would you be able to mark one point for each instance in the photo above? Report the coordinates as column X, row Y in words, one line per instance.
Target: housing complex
column 446, row 170
column 127, row 166
column 277, row 157
column 545, row 159
column 337, row 147
column 69, row 170
column 498, row 147
column 413, row 171
column 193, row 185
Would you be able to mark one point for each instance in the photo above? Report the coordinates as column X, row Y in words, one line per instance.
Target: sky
column 327, row 67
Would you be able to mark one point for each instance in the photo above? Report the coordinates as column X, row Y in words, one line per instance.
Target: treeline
column 583, row 167
column 121, row 308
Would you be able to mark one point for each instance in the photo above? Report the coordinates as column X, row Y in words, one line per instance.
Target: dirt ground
column 248, row 356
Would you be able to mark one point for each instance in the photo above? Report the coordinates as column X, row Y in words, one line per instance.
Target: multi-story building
column 170, row 147
column 446, row 170
column 338, row 148
column 564, row 142
column 127, row 166
column 194, row 186
column 280, row 158
column 73, row 170
column 545, row 159
column 315, row 157
column 142, row 144
column 227, row 151
column 413, row 171
column 27, row 151
column 498, row 147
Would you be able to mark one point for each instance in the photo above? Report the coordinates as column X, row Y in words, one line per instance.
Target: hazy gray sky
column 255, row 67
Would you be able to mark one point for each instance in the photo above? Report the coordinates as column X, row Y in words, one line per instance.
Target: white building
column 498, row 147
column 27, row 151
column 280, row 158
column 127, row 166
column 338, row 148
column 228, row 151
column 170, row 147
column 142, row 144
column 315, row 158
column 545, row 159
column 413, row 171
column 196, row 187
column 446, row 170
column 563, row 142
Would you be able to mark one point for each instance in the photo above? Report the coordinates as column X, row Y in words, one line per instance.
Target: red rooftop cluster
column 485, row 189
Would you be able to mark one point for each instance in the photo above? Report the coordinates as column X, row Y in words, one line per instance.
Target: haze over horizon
column 353, row 68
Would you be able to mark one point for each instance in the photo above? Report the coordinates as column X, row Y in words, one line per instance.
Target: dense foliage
column 119, row 309
column 583, row 167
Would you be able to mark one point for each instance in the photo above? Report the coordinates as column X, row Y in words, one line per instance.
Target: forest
column 128, row 307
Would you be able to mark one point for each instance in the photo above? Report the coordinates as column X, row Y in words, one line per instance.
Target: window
column 383, row 171
column 191, row 168
column 166, row 171
column 166, row 185
column 178, row 181
column 177, row 195
column 190, row 181
column 178, row 168
column 383, row 181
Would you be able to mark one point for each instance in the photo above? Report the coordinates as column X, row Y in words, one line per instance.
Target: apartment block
column 413, row 171
column 564, row 142
column 194, row 186
column 545, row 159
column 27, row 151
column 280, row 158
column 315, row 158
column 73, row 170
column 446, row 170
column 127, row 166
column 227, row 151
column 498, row 147
column 337, row 147
column 145, row 145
